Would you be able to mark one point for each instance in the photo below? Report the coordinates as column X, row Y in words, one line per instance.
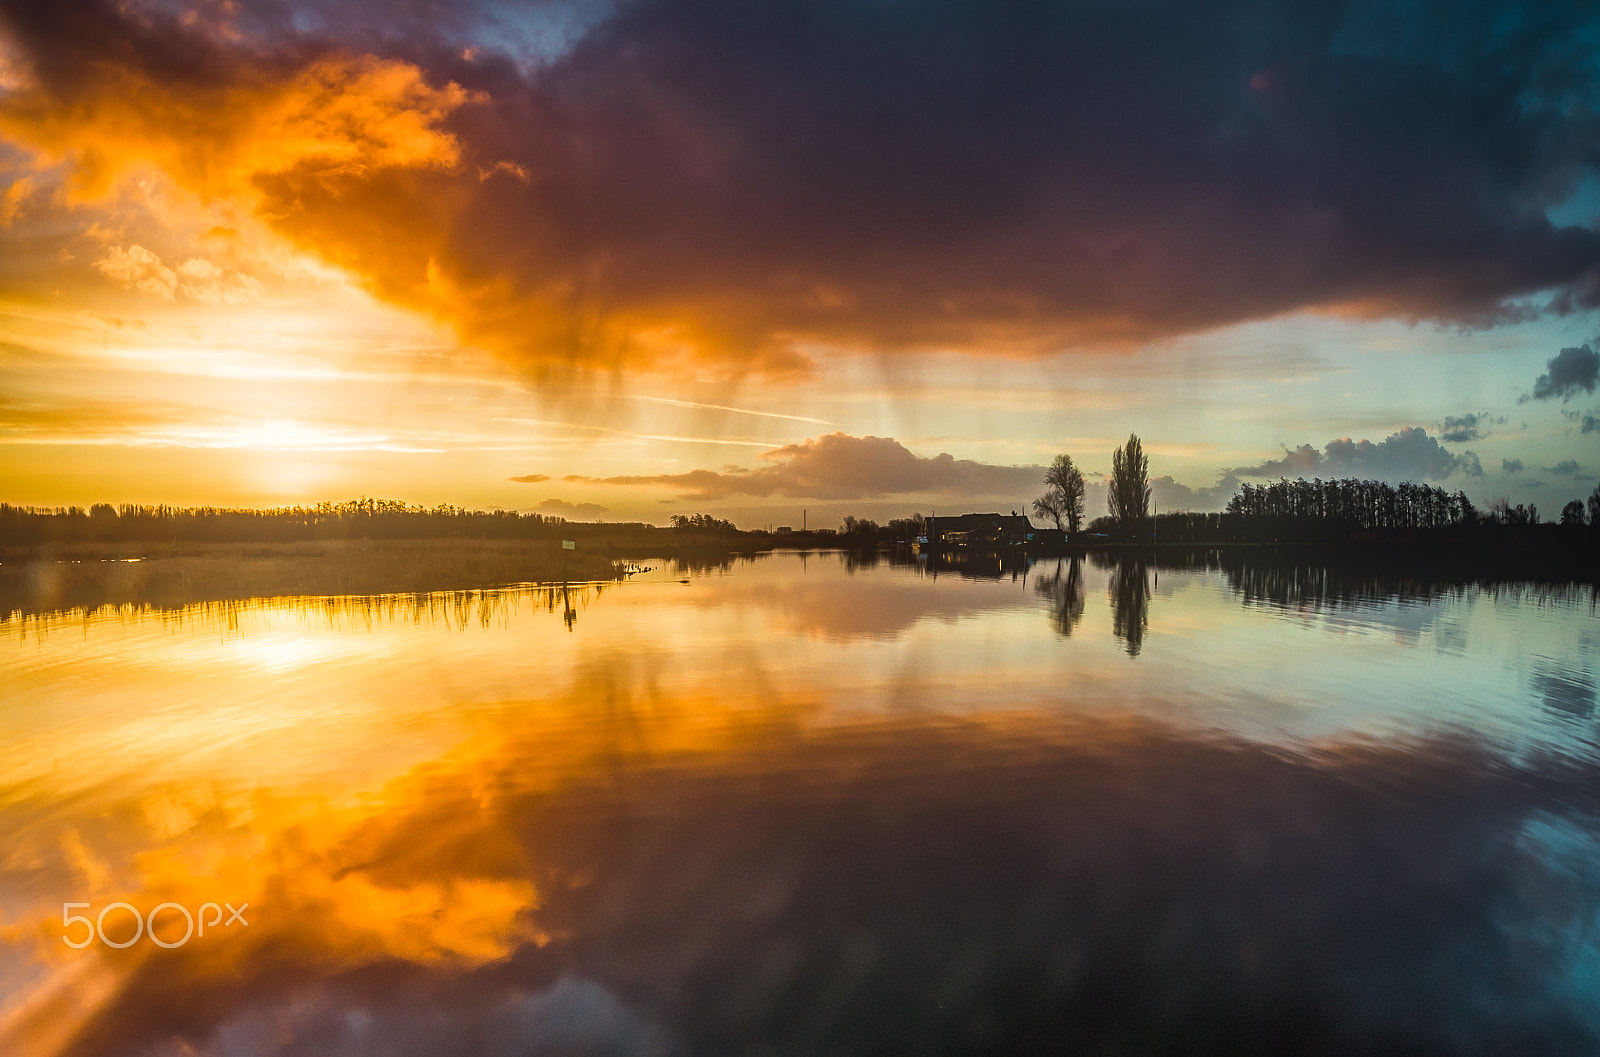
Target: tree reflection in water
column 1129, row 591
column 1063, row 586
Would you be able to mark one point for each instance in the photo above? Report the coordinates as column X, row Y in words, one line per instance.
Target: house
column 989, row 530
column 785, row 530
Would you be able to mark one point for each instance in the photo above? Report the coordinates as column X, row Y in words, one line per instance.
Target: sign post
column 568, row 614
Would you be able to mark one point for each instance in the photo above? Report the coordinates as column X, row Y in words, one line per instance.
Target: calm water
column 805, row 805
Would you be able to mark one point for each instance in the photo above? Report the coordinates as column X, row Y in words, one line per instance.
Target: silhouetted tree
column 1129, row 497
column 354, row 519
column 1594, row 507
column 1503, row 513
column 859, row 526
column 1102, row 525
column 1572, row 513
column 1063, row 496
column 701, row 523
column 1355, row 503
column 904, row 528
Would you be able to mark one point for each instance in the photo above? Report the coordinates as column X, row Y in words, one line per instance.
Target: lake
column 811, row 803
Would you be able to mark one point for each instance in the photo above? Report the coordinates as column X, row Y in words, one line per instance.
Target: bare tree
column 1063, row 497
column 1049, row 506
column 1129, row 496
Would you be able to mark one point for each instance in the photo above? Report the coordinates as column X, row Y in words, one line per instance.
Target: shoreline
column 52, row 578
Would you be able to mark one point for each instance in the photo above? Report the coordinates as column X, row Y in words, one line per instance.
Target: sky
column 793, row 260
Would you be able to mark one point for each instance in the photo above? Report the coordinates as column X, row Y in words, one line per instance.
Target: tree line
column 364, row 518
column 1372, row 505
column 701, row 523
column 354, row 519
column 1356, row 503
column 1316, row 507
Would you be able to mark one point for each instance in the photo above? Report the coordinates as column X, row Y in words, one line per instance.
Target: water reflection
column 1294, row 584
column 803, row 805
column 1063, row 588
column 648, row 875
column 854, row 560
column 481, row 607
column 1129, row 591
column 1332, row 582
column 976, row 565
column 1255, row 577
column 1564, row 690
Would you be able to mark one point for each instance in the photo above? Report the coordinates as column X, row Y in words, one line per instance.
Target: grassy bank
column 1550, row 557
column 55, row 577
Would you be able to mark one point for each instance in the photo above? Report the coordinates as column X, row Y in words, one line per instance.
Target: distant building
column 965, row 530
column 826, row 532
column 785, row 530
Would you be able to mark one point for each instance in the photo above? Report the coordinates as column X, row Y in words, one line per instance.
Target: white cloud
column 139, row 269
column 196, row 278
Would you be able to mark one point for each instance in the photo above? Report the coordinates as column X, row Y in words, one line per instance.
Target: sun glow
column 285, row 435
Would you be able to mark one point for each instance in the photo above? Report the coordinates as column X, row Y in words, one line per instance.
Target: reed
column 86, row 576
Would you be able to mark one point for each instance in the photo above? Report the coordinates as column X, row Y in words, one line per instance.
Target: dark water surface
column 814, row 805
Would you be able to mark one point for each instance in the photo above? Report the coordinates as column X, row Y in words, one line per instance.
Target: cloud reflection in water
column 1020, row 883
column 684, row 848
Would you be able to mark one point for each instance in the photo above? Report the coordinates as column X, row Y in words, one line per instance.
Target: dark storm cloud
column 1469, row 427
column 1568, row 373
column 1409, row 455
column 1591, row 424
column 1511, row 465
column 1564, row 468
column 839, row 466
column 714, row 179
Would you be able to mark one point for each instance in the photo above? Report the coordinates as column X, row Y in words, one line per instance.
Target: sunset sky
column 629, row 259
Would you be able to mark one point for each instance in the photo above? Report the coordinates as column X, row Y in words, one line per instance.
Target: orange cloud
column 13, row 198
column 338, row 115
column 689, row 185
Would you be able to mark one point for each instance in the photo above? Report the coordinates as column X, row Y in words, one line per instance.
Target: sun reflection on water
column 799, row 803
